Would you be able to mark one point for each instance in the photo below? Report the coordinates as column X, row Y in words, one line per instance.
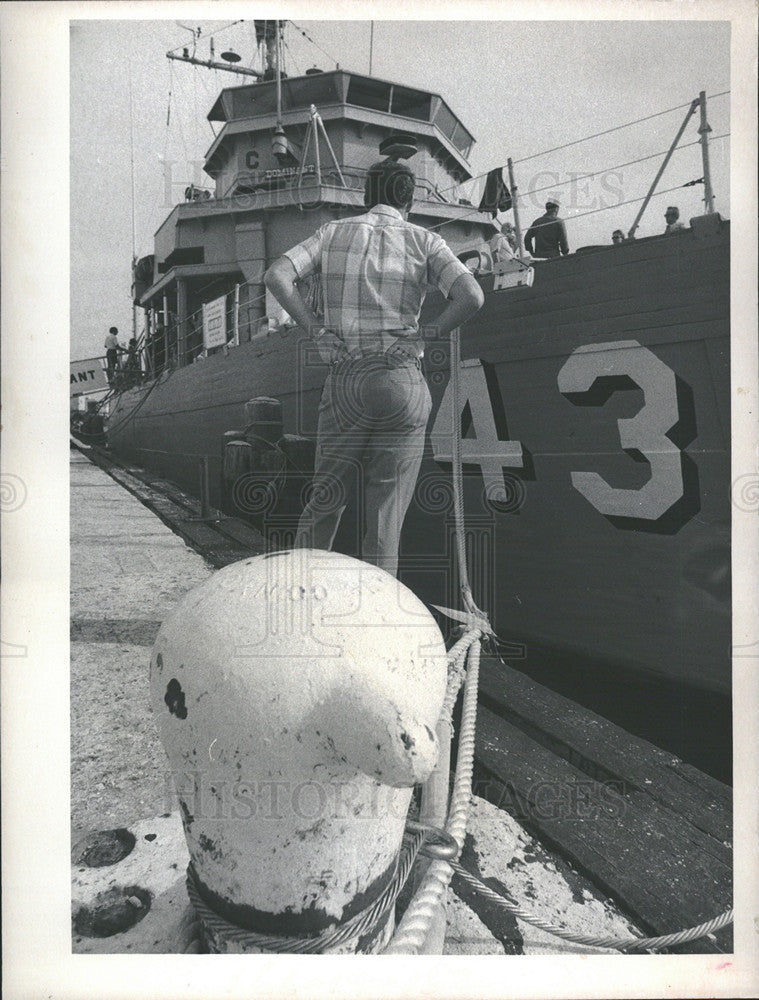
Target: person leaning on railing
column 133, row 365
column 112, row 350
column 672, row 218
column 503, row 245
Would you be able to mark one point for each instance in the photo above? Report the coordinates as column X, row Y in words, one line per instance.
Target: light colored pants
column 372, row 419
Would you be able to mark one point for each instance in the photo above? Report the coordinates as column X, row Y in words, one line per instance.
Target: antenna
column 191, row 30
column 704, row 129
column 211, row 64
column 229, row 56
column 278, row 71
column 134, row 224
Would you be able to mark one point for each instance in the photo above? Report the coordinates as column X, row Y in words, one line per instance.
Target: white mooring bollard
column 298, row 694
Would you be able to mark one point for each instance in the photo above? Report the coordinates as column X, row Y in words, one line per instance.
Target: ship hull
column 597, row 453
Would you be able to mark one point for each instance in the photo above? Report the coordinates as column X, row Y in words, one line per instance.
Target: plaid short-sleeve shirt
column 375, row 270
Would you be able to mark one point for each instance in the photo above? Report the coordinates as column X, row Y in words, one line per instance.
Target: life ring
column 476, row 260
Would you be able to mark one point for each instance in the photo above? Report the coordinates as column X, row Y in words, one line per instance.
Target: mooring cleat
column 297, row 694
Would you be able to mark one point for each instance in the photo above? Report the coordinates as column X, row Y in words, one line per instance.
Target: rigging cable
column 210, row 97
column 581, row 215
column 165, row 142
column 587, row 138
column 181, row 136
column 615, row 128
column 195, row 104
column 292, row 58
column 618, row 166
column 310, row 39
column 210, row 34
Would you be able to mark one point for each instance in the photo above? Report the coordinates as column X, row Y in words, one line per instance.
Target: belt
column 389, row 359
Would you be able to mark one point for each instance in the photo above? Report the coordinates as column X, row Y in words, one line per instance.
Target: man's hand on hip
column 329, row 346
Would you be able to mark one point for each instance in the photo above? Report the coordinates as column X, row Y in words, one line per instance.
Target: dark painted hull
column 635, row 580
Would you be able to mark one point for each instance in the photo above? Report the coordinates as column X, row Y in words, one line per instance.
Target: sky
column 521, row 88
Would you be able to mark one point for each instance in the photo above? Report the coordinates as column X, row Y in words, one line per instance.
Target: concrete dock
column 128, row 569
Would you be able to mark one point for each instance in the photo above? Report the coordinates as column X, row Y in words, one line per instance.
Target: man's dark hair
column 389, row 183
column 113, row 329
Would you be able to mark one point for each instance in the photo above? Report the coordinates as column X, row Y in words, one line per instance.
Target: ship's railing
column 354, row 178
column 128, row 372
column 179, row 342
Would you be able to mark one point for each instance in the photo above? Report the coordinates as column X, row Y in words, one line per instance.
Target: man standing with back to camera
column 548, row 232
column 375, row 270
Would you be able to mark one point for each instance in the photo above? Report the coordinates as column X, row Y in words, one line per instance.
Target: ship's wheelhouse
column 278, row 175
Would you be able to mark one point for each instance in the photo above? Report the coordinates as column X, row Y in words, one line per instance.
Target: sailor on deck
column 548, row 232
column 672, row 218
column 112, row 350
column 375, row 269
column 503, row 246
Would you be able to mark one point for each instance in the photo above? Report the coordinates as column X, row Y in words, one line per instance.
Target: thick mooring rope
column 457, row 661
column 414, row 926
column 458, row 489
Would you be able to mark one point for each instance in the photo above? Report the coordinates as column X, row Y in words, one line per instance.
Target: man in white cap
column 548, row 232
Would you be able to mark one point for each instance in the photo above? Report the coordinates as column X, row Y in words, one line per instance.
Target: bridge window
column 369, row 94
column 318, row 89
column 452, row 129
column 411, row 103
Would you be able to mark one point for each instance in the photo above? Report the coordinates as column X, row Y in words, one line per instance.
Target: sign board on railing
column 87, row 376
column 215, row 323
